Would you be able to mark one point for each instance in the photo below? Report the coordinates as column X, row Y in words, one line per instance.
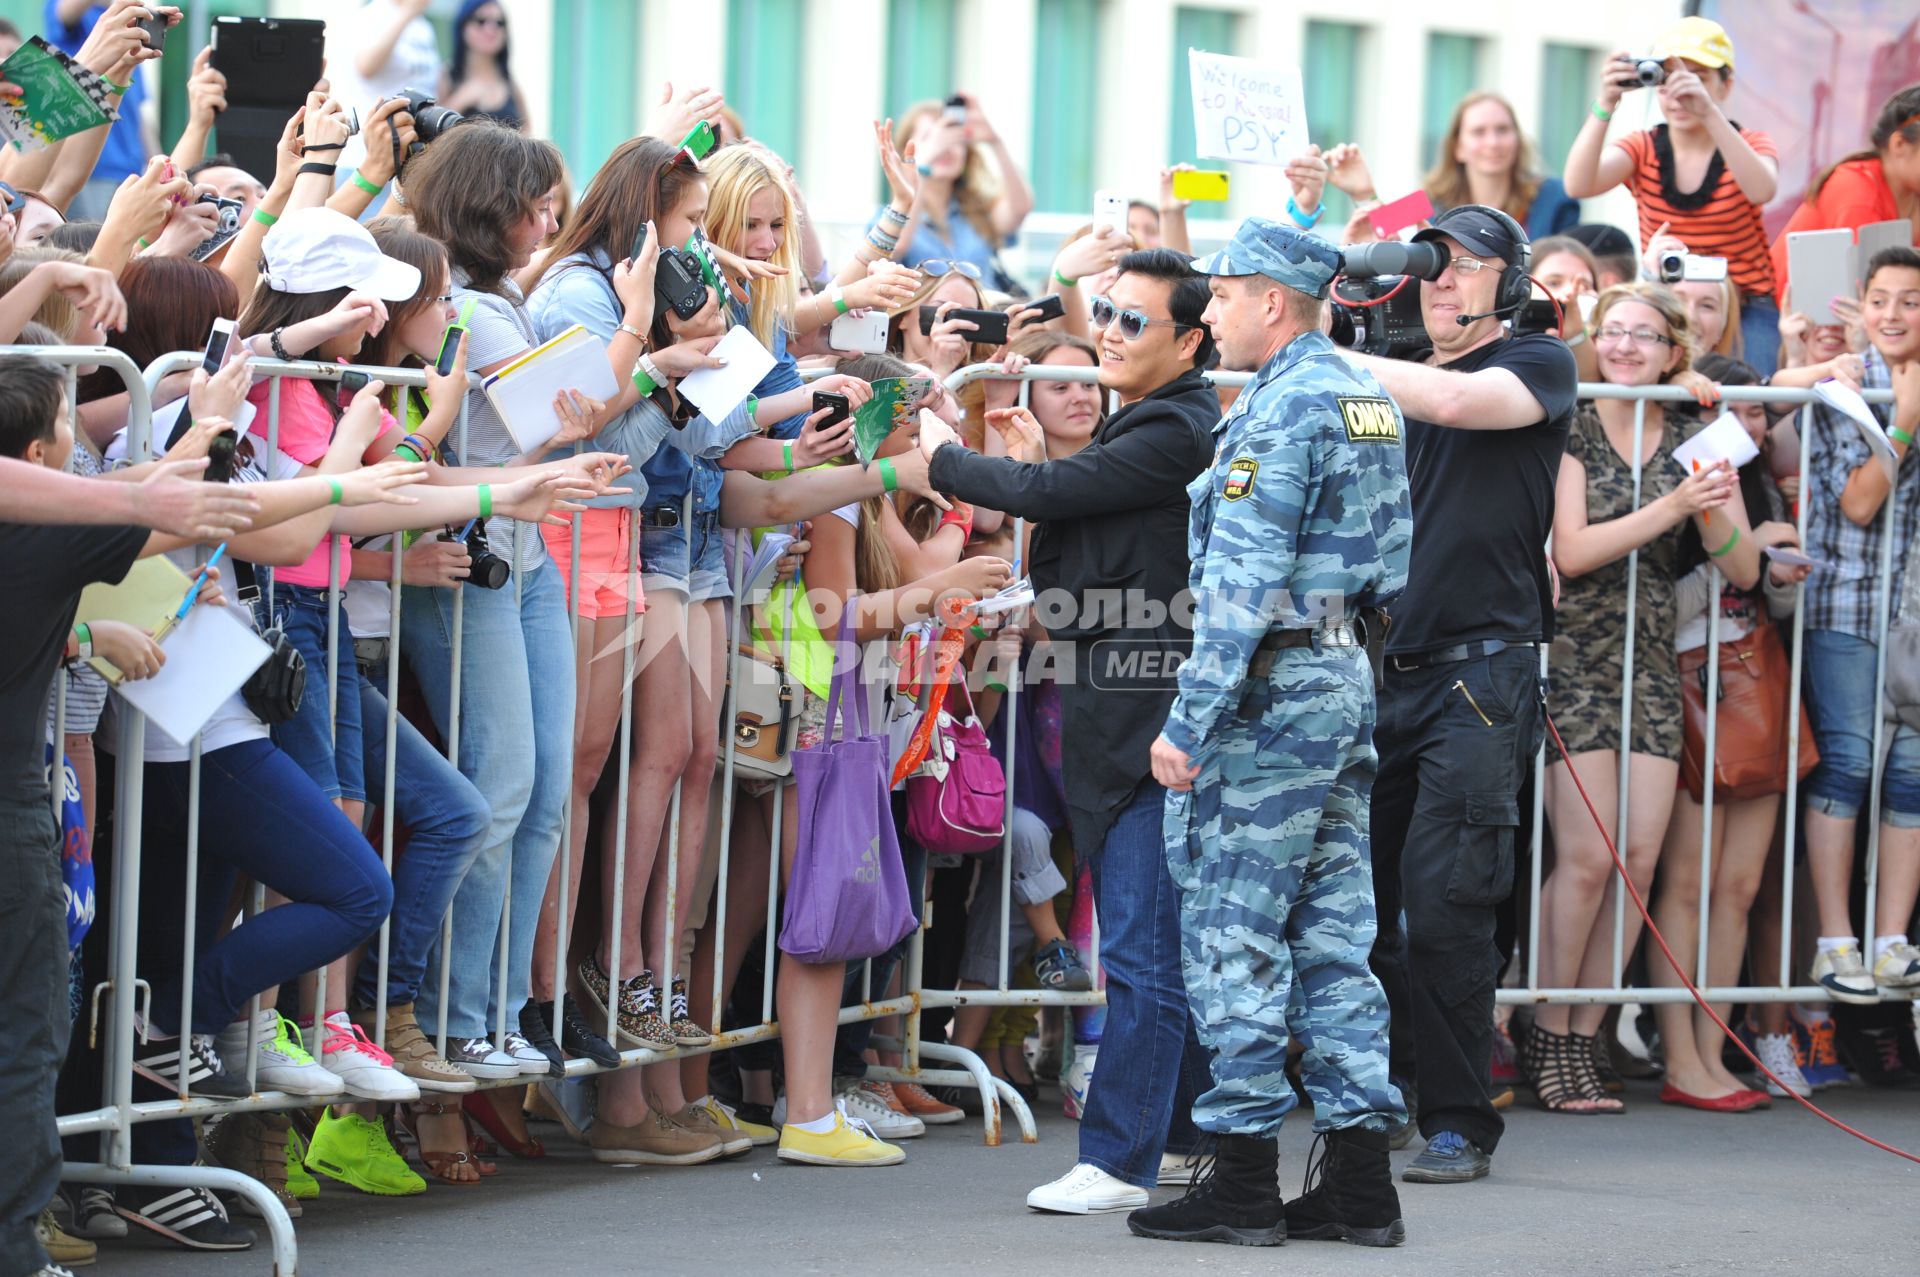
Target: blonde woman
column 1641, row 336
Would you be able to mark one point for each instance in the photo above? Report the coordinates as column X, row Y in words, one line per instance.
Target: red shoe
column 1738, row 1102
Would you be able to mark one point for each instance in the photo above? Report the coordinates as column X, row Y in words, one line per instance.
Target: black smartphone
column 351, row 384
column 156, row 29
column 990, row 326
column 1052, row 306
column 829, row 399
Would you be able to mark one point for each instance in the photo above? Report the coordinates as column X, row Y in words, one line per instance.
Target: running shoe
column 1819, row 1055
column 282, row 1062
column 1896, row 972
column 1843, row 974
column 367, row 1070
column 348, row 1148
column 1776, row 1051
column 188, row 1217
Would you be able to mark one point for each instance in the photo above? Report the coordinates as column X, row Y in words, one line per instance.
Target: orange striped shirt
column 1716, row 222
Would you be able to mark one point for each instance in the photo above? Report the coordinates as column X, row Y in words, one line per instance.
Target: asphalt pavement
column 1657, row 1190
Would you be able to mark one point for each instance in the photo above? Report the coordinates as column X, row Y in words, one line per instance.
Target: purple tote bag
column 848, row 897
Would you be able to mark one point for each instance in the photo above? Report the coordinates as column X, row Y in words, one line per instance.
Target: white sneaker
column 1086, row 1190
column 1843, row 975
column 367, row 1070
column 1896, row 972
column 532, row 1063
column 1776, row 1052
column 1078, row 1077
column 1178, row 1169
column 870, row 1106
column 284, row 1064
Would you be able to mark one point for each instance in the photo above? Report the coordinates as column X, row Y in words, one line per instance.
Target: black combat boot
column 1348, row 1194
column 1236, row 1201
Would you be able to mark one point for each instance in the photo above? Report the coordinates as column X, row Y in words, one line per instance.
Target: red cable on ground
column 1673, row 962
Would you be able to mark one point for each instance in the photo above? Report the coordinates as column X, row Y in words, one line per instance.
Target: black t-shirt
column 1482, row 511
column 45, row 568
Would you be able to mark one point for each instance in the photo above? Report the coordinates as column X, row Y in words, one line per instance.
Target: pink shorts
column 605, row 538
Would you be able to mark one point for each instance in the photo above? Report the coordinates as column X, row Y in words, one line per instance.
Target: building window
column 1566, row 87
column 594, row 54
column 1066, row 96
column 1210, row 31
column 1332, row 58
column 920, row 39
column 1453, row 71
column 765, row 41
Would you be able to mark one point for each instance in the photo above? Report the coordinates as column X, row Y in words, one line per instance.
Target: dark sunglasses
column 938, row 266
column 1133, row 323
column 482, row 20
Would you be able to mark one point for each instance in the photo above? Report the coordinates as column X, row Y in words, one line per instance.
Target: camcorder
column 1376, row 300
column 1676, row 267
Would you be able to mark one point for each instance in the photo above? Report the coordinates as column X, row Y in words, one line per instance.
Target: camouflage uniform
column 1303, row 519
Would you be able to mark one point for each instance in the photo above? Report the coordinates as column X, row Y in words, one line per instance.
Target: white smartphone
column 863, row 334
column 217, row 342
column 1110, row 209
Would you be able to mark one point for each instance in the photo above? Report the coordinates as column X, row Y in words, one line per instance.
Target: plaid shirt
column 1847, row 599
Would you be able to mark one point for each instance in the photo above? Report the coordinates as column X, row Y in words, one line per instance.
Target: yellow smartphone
column 1199, row 186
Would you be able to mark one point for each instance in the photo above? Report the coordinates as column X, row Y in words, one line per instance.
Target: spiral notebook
column 523, row 391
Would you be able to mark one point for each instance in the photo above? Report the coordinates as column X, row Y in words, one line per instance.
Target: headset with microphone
column 1516, row 284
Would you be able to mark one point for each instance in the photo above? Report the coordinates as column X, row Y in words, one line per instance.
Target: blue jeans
column 323, row 739
column 1152, row 1067
column 667, row 564
column 1840, row 699
column 446, row 821
column 516, row 746
column 1760, row 334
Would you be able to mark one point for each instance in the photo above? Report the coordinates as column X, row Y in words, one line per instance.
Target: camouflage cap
column 1303, row 262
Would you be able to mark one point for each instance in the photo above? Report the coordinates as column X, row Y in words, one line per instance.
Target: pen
column 193, row 591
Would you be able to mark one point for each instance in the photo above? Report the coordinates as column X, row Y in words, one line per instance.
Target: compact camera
column 1648, row 72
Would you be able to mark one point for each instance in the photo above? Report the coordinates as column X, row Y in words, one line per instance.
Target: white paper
column 716, row 392
column 1843, row 398
column 1793, row 558
column 1247, row 110
column 209, row 656
column 523, row 395
column 1722, row 439
column 763, row 565
column 1016, row 594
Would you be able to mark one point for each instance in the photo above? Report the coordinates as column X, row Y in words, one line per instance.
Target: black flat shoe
column 533, row 1027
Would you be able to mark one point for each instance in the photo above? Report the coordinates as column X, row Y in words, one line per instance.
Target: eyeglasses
column 1638, row 336
column 1469, row 265
column 1133, row 323
column 938, row 266
column 444, row 299
column 482, row 20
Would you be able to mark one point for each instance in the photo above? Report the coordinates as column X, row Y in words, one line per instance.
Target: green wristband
column 643, row 383
column 753, row 405
column 406, row 450
column 265, row 218
column 1898, row 435
column 787, row 450
column 1600, row 113
column 1058, row 278
column 142, row 242
column 121, row 89
column 339, row 493
column 486, row 500
column 888, row 479
column 1731, row 542
column 83, row 632
column 364, row 184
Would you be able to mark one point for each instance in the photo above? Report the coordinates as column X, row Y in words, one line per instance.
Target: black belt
column 661, row 516
column 1342, row 633
column 371, row 652
column 1403, row 664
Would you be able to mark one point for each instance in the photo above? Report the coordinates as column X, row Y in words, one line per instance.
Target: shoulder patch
column 1240, row 476
column 1369, row 420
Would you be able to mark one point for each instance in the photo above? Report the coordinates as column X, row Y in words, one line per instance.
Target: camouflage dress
column 1587, row 662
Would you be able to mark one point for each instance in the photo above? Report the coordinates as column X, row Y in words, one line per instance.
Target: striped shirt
column 1718, row 220
column 1846, row 598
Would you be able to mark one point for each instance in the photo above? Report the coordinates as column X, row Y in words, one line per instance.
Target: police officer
column 1302, row 523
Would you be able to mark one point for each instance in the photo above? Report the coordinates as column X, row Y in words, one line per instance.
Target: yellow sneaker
column 727, row 1120
column 61, row 1246
column 847, row 1144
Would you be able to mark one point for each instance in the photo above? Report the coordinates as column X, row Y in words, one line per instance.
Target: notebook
column 523, row 391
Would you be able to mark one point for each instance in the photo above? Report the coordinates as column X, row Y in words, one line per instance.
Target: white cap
column 313, row 250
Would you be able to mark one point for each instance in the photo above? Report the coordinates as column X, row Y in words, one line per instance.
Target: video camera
column 1376, row 300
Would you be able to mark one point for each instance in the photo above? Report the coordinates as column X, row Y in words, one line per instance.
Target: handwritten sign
column 1245, row 110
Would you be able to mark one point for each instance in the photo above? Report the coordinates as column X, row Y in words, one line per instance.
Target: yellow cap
column 1697, row 40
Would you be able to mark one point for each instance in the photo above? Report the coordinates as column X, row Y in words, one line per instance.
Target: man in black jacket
column 1112, row 532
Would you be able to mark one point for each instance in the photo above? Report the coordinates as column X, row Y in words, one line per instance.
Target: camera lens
column 1673, row 265
column 1650, row 71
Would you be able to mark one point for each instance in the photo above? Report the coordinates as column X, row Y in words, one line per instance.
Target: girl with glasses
column 1642, row 338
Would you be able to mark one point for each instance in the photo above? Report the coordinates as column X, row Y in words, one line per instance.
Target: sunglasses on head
column 1133, row 323
column 938, row 266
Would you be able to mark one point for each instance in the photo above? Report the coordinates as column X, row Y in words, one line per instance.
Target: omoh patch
column 1240, row 478
column 1370, row 420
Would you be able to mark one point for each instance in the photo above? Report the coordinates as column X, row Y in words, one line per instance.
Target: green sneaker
column 357, row 1152
column 300, row 1181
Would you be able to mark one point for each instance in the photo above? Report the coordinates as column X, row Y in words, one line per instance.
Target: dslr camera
column 488, row 570
column 430, row 119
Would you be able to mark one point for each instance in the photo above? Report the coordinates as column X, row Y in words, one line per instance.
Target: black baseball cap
column 1604, row 240
column 1476, row 229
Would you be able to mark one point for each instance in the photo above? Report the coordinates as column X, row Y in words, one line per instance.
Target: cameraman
column 1460, row 708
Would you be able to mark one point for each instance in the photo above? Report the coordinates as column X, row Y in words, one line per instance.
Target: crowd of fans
column 557, row 744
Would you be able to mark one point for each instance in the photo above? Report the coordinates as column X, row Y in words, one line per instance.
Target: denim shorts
column 664, row 557
column 325, row 743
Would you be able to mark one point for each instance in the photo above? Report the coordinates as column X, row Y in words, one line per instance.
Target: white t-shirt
column 414, row 64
